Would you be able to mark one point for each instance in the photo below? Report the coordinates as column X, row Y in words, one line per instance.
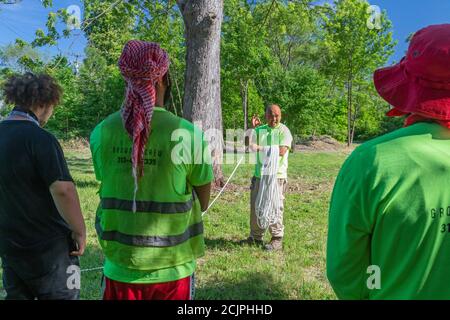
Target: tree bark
column 244, row 98
column 202, row 100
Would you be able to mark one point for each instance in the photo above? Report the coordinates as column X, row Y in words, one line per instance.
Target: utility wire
column 11, row 29
column 89, row 22
column 266, row 17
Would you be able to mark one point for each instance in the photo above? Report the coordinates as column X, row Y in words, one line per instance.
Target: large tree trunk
column 202, row 101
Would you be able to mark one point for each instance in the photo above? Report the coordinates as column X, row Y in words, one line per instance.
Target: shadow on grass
column 83, row 171
column 86, row 184
column 222, row 243
column 80, row 165
column 251, row 286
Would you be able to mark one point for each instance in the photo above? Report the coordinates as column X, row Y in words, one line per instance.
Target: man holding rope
column 149, row 226
column 273, row 133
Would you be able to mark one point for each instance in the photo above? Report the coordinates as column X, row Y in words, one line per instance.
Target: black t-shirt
column 31, row 159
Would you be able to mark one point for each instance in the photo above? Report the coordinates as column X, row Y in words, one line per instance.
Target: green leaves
column 353, row 52
column 300, row 56
column 21, row 57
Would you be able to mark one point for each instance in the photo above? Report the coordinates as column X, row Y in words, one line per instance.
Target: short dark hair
column 30, row 91
column 269, row 105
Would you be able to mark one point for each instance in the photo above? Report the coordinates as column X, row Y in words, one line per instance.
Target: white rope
column 222, row 190
column 92, row 269
column 268, row 200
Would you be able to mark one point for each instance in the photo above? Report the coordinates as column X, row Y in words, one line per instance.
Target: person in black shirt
column 42, row 230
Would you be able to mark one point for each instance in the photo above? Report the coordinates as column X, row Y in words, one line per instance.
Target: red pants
column 182, row 289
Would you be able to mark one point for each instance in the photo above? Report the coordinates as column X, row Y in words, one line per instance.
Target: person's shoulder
column 33, row 133
column 170, row 125
column 110, row 121
column 164, row 119
column 40, row 134
column 284, row 128
column 113, row 117
column 398, row 144
column 393, row 154
column 401, row 138
column 43, row 139
column 182, row 123
column 370, row 148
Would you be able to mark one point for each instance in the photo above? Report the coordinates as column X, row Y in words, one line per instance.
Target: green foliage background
column 292, row 53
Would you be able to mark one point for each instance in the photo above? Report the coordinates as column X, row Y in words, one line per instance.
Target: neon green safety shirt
column 267, row 136
column 389, row 219
column 164, row 196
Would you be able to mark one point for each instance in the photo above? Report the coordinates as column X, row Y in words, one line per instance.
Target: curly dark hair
column 31, row 91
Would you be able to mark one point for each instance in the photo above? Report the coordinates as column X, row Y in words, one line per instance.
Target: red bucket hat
column 420, row 83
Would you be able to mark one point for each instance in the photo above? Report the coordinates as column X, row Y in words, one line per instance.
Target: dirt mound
column 320, row 143
column 312, row 143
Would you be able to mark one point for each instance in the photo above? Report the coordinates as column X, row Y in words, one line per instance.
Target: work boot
column 252, row 242
column 276, row 244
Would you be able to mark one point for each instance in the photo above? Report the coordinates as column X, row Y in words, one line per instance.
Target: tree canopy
column 315, row 61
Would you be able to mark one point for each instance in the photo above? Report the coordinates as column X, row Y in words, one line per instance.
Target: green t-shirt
column 268, row 136
column 390, row 208
column 198, row 173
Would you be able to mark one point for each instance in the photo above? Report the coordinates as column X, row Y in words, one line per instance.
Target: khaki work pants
column 276, row 229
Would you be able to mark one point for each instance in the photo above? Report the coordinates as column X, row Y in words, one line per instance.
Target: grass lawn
column 229, row 270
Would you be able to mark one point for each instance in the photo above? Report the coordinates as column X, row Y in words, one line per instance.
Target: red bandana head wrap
column 141, row 64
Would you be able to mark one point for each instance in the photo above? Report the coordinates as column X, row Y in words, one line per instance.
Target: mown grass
column 230, row 270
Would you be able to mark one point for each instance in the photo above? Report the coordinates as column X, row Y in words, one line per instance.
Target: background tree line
column 315, row 61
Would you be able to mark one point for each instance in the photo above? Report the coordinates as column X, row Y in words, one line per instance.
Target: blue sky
column 411, row 15
column 22, row 19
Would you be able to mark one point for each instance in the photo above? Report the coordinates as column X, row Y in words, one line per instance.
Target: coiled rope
column 268, row 200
